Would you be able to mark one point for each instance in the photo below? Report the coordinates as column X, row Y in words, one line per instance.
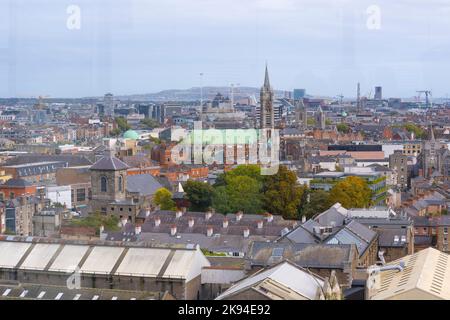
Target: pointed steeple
column 266, row 78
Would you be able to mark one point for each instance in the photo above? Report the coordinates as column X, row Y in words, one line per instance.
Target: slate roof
column 261, row 253
column 17, row 183
column 70, row 160
column 144, row 184
column 109, row 163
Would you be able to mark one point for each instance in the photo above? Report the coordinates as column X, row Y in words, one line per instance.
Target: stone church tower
column 109, row 181
column 266, row 119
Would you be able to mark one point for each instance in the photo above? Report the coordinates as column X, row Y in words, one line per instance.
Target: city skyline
column 138, row 47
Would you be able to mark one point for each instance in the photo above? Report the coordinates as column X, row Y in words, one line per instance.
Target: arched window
column 103, row 184
column 120, row 184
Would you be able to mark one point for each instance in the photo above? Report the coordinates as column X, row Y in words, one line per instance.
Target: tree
column 251, row 170
column 314, row 202
column 351, row 192
column 243, row 194
column 220, row 200
column 311, row 122
column 150, row 123
column 122, row 123
column 115, row 132
column 163, row 198
column 199, row 195
column 343, row 127
column 282, row 193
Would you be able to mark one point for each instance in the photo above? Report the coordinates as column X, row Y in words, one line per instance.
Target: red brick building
column 14, row 188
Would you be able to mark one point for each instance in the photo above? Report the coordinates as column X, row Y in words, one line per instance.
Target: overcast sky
column 142, row 46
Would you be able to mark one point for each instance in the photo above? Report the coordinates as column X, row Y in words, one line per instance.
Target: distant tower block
column 378, row 93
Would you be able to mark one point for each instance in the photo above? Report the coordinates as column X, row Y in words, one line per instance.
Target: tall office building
column 299, row 94
column 378, row 93
column 266, row 117
column 108, row 104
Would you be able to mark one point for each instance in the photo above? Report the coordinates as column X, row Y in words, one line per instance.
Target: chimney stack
column 147, row 212
column 157, row 221
column 239, row 215
column 260, row 224
column 124, row 221
column 225, row 223
column 191, row 222
column 209, row 231
column 208, row 215
column 246, row 232
column 303, row 219
column 269, row 217
column 173, row 230
column 178, row 214
column 137, row 229
column 102, row 228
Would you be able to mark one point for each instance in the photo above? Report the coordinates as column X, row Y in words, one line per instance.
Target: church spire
column 266, row 78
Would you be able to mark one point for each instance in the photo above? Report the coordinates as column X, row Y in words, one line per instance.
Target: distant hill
column 193, row 94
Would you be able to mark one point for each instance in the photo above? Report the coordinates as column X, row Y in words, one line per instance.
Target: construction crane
column 428, row 94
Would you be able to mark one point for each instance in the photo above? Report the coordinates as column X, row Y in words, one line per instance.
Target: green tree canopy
column 249, row 170
column 220, row 200
column 150, row 123
column 282, row 193
column 314, row 202
column 163, row 198
column 199, row 195
column 122, row 123
column 351, row 192
column 243, row 194
column 343, row 127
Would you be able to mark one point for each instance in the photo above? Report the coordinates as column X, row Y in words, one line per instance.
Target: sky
column 144, row 46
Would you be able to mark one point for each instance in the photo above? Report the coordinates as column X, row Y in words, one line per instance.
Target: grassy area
column 110, row 223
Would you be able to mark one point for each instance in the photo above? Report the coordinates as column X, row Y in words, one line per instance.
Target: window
column 81, row 195
column 103, row 184
column 120, row 184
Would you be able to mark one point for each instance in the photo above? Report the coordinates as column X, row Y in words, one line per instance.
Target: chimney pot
column 246, row 233
column 157, row 221
column 260, row 224
column 173, row 230
column 191, row 222
column 208, row 215
column 137, row 229
column 209, row 231
column 239, row 215
column 225, row 223
column 178, row 213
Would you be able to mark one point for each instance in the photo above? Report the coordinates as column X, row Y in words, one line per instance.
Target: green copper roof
column 131, row 134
